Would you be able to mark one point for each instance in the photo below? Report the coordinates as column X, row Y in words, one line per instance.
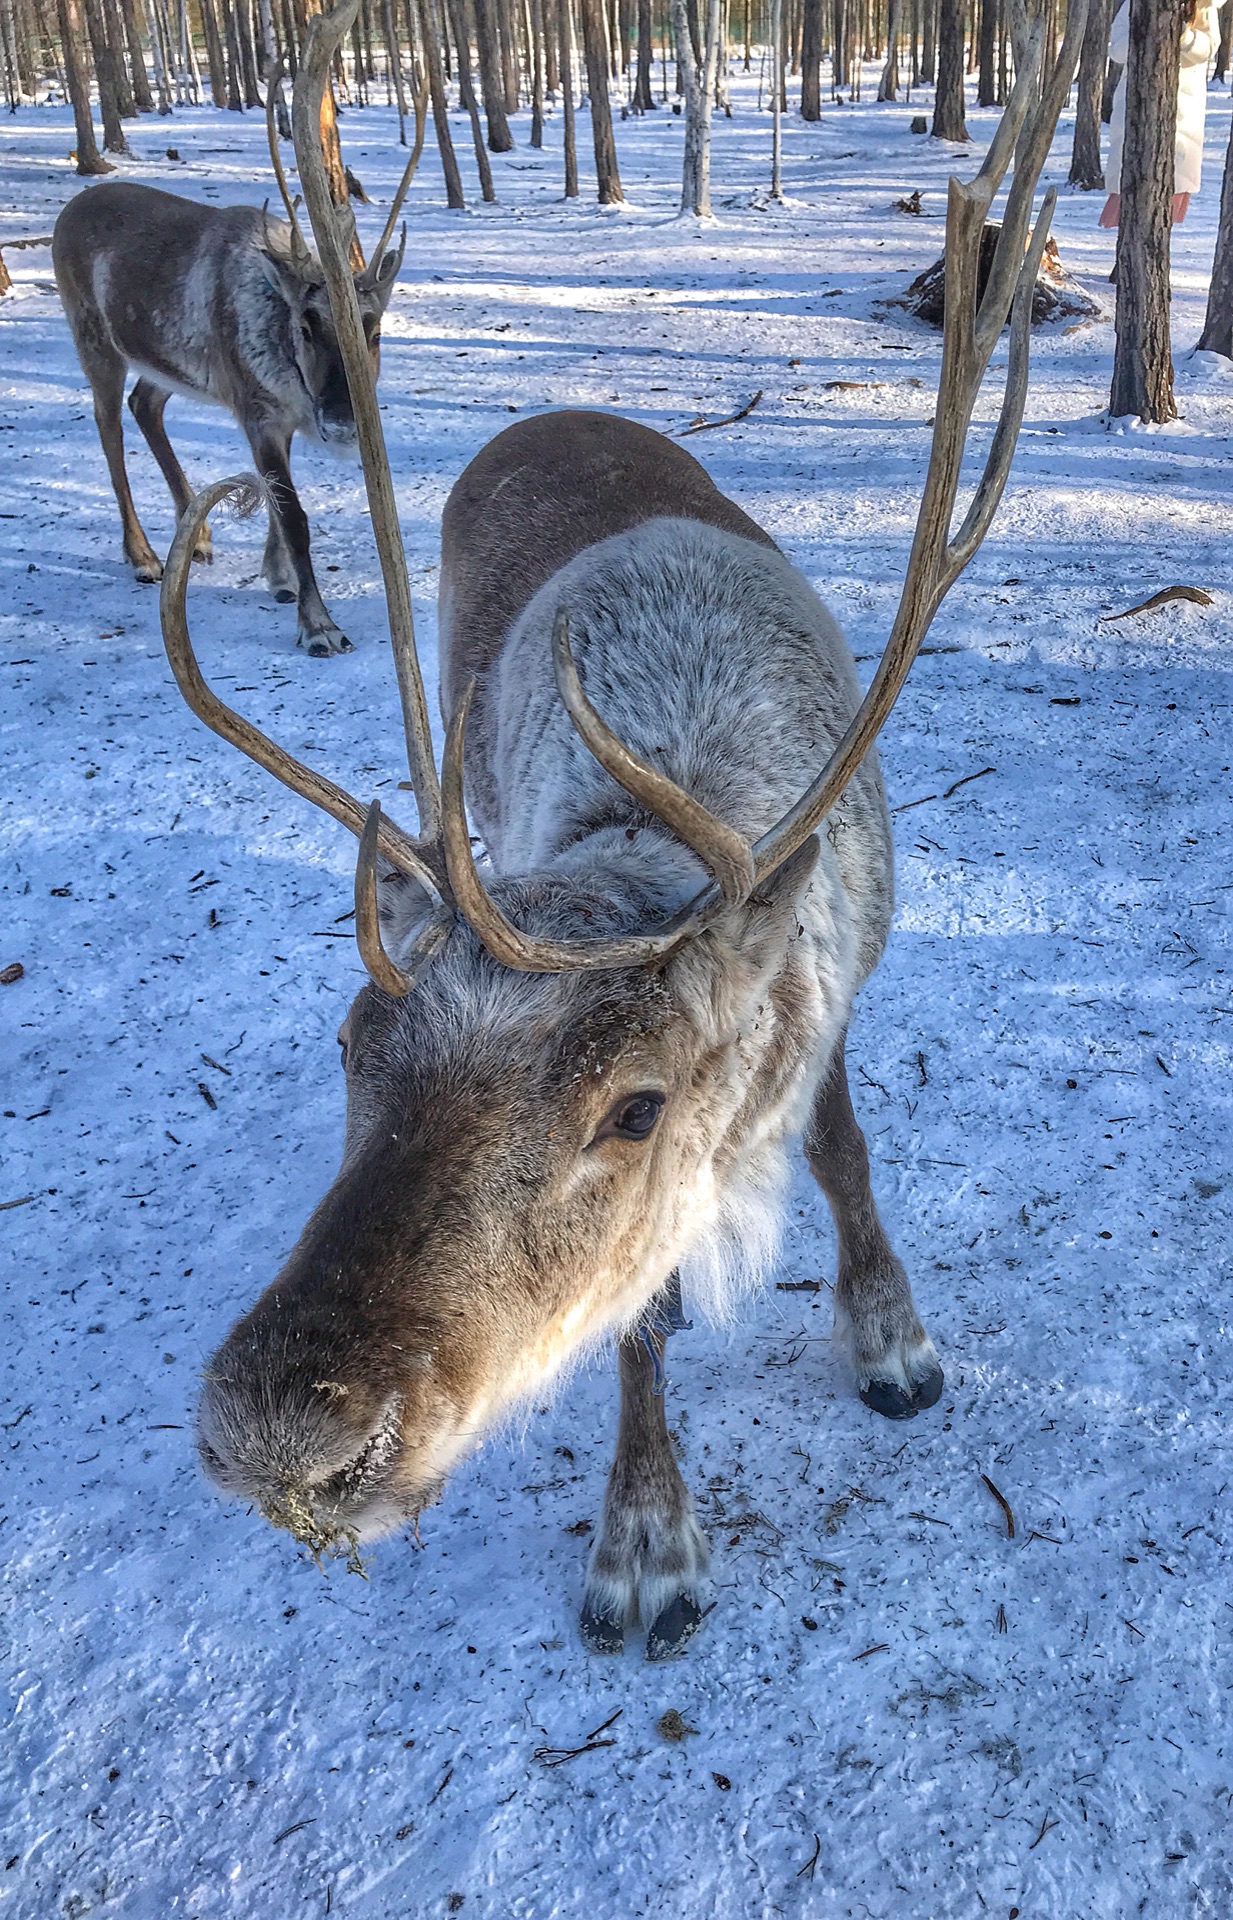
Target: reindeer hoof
column 599, row 1634
column 285, row 596
column 890, row 1400
column 148, row 572
column 676, row 1625
column 321, row 645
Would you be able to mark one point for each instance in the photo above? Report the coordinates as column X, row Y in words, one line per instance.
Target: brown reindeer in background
column 575, row 1076
column 227, row 305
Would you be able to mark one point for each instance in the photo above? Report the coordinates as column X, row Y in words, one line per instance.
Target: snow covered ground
column 897, row 1709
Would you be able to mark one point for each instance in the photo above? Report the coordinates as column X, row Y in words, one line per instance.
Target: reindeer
column 227, row 305
column 573, row 1076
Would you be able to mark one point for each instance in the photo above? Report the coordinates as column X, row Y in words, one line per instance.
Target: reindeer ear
column 760, row 927
column 344, row 219
column 404, row 905
column 280, row 274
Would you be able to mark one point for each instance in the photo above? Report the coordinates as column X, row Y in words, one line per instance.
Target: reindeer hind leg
column 146, row 404
column 897, row 1369
column 105, row 369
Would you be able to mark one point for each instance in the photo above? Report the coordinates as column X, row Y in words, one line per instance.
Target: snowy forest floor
column 898, row 1710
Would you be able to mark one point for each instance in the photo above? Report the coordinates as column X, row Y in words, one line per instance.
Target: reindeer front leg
column 897, row 1368
column 651, row 1555
column 287, row 565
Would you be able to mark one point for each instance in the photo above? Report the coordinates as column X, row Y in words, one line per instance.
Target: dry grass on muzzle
column 326, row 1542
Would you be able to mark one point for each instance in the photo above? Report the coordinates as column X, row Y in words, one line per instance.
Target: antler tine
column 504, row 941
column 1006, row 433
column 273, row 83
column 325, row 35
column 421, row 127
column 388, row 975
column 725, row 852
column 246, row 491
column 1031, row 152
column 934, row 565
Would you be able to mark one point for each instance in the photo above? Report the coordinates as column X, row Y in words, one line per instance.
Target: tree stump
column 1055, row 296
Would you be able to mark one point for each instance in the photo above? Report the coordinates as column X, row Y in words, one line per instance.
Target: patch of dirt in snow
column 942, row 1720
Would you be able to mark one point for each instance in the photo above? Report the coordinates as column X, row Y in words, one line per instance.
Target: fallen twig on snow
column 965, row 780
column 729, row 420
column 1162, row 599
column 1004, row 1503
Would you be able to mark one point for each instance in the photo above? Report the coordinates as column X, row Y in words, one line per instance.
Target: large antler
column 408, row 174
column 274, row 80
column 442, row 858
column 246, row 493
column 325, row 35
column 971, row 331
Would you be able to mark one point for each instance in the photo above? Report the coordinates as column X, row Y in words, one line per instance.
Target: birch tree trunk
column 699, row 91
column 1142, row 357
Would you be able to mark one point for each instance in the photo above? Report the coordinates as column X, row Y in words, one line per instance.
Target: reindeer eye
column 342, row 1048
column 634, row 1119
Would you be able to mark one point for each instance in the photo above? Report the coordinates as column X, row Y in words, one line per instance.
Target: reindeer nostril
column 364, row 1469
column 312, row 1438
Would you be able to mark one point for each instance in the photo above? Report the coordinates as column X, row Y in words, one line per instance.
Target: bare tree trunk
column 105, row 74
column 987, row 79
column 777, row 100
column 1142, row 357
column 508, row 36
column 644, row 100
column 247, row 53
column 394, row 63
column 462, row 47
column 699, row 90
column 1225, row 17
column 430, row 33
column 115, row 41
column 536, row 24
column 566, row 63
column 77, row 79
column 929, row 43
column 214, row 52
column 1217, row 336
column 595, row 47
column 1085, row 167
column 948, row 120
column 492, row 83
column 160, row 53
column 143, row 99
column 811, row 61
column 888, row 85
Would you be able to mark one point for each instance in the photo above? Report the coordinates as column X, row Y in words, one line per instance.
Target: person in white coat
column 1200, row 31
